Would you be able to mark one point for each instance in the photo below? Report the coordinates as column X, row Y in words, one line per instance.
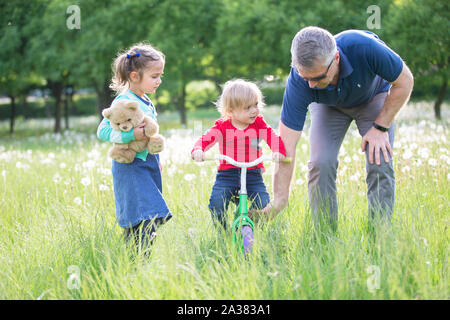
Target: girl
column 238, row 133
column 140, row 206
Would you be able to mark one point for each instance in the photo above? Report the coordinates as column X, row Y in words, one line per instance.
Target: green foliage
column 424, row 44
column 212, row 40
column 201, row 94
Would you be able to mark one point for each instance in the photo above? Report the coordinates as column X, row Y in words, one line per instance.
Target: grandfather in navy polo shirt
column 350, row 76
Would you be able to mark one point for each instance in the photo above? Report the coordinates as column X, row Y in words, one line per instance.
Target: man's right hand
column 283, row 173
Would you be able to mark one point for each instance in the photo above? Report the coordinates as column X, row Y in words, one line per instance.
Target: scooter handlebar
column 246, row 164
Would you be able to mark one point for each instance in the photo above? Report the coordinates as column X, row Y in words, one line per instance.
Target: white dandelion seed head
column 189, row 176
column 85, row 181
column 57, row 178
column 406, row 169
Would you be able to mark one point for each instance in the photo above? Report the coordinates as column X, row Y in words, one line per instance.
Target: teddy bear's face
column 124, row 115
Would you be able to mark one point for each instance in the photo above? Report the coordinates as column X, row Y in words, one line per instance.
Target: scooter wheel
column 247, row 239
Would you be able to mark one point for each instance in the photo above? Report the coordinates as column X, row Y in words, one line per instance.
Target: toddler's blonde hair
column 238, row 93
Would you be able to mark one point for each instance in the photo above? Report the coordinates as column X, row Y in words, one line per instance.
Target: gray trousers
column 328, row 128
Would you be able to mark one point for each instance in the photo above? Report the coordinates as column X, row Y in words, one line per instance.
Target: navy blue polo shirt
column 366, row 68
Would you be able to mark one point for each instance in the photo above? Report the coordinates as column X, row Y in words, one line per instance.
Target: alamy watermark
column 74, row 20
column 373, row 281
column 374, row 20
column 74, row 279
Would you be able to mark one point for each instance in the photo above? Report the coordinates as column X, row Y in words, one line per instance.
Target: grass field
column 59, row 240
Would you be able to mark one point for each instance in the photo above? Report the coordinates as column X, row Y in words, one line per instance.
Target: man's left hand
column 377, row 141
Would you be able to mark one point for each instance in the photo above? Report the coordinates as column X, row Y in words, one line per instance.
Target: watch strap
column 381, row 128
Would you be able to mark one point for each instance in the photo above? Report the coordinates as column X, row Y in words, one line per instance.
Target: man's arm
column 283, row 171
column 398, row 96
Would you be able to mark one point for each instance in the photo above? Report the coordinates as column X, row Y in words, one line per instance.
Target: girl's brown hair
column 136, row 58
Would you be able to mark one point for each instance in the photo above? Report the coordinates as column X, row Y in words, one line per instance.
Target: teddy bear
column 125, row 115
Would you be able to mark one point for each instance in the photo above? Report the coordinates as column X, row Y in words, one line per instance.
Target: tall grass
column 57, row 215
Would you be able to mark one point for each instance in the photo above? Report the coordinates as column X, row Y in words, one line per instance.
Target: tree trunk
column 440, row 99
column 104, row 97
column 48, row 114
column 183, row 105
column 57, row 89
column 66, row 110
column 13, row 114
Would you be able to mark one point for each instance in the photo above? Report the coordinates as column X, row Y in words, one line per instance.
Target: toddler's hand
column 277, row 157
column 198, row 155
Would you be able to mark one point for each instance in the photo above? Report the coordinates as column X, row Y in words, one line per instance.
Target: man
column 350, row 76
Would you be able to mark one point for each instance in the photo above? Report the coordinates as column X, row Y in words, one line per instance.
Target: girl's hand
column 277, row 157
column 139, row 133
column 198, row 155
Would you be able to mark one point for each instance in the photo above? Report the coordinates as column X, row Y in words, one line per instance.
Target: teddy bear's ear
column 132, row 105
column 107, row 113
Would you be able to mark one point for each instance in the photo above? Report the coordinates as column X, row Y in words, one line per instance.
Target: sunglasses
column 322, row 76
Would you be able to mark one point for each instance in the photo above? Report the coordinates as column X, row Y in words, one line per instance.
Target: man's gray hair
column 311, row 45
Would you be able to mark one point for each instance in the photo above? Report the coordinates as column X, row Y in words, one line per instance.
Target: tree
column 106, row 28
column 51, row 50
column 16, row 79
column 184, row 31
column 420, row 32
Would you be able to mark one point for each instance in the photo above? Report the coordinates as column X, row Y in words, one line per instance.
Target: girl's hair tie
column 137, row 54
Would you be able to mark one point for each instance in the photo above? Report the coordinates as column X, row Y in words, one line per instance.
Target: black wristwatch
column 381, row 128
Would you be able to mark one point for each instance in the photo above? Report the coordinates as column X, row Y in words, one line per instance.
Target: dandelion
column 20, row 165
column 445, row 158
column 77, row 200
column 432, row 162
column 62, row 165
column 407, row 154
column 56, row 178
column 300, row 181
column 355, row 177
column 425, row 242
column 424, row 153
column 85, row 181
column 88, row 164
column 103, row 187
column 189, row 176
column 413, row 146
column 347, row 159
column 272, row 274
column 406, row 169
column 104, row 171
column 47, row 161
column 4, row 173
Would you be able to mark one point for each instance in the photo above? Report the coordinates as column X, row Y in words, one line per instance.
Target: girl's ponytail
column 119, row 82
